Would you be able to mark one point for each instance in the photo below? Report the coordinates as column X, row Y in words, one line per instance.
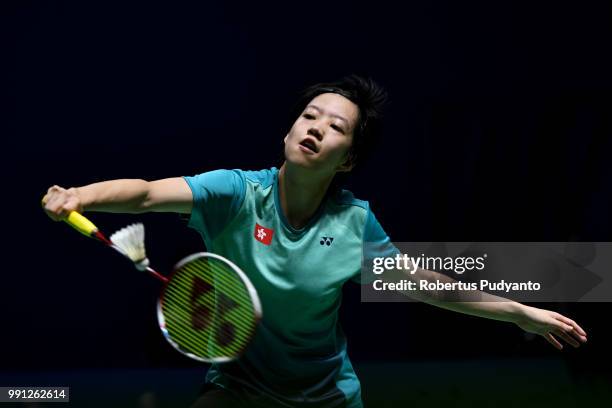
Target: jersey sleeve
column 376, row 244
column 217, row 198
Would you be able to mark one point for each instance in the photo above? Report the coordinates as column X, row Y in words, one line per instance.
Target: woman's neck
column 300, row 194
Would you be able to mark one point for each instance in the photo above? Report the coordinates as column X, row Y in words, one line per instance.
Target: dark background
column 498, row 130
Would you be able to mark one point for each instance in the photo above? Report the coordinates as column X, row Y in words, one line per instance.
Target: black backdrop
column 499, row 129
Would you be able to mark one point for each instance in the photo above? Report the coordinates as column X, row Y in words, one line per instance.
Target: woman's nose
column 315, row 131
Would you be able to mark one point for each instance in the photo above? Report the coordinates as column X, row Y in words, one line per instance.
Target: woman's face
column 320, row 139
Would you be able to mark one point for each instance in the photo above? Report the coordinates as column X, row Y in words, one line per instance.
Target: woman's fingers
column 567, row 338
column 553, row 341
column 566, row 332
column 572, row 323
column 59, row 202
column 578, row 336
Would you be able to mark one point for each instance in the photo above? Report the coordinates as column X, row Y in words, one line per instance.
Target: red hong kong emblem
column 263, row 234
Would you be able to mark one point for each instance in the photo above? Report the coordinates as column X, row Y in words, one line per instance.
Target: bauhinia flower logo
column 263, row 234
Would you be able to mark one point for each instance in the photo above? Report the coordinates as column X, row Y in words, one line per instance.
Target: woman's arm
column 120, row 196
column 551, row 325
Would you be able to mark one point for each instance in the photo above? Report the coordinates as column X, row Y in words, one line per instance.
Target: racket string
column 208, row 310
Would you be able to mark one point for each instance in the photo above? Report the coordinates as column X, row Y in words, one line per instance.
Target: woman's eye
column 337, row 128
column 308, row 116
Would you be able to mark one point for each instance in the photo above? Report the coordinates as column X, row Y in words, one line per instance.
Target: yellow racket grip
column 81, row 224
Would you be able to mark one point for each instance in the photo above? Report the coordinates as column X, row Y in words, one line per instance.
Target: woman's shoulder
column 346, row 198
column 265, row 177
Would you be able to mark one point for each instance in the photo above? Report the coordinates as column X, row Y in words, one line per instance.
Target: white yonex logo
column 261, row 234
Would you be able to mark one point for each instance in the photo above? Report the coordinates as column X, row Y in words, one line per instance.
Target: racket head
column 209, row 309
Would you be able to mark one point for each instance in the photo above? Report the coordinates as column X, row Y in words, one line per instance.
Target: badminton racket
column 208, row 309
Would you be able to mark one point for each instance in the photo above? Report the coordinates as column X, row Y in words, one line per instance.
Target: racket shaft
column 80, row 223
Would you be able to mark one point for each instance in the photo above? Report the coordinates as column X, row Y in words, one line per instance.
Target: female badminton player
column 299, row 238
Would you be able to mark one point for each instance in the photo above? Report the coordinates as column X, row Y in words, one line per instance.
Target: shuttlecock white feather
column 130, row 240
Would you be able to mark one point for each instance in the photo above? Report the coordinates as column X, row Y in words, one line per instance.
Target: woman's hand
column 551, row 325
column 59, row 202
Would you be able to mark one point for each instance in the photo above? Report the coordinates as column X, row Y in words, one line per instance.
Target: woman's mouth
column 309, row 146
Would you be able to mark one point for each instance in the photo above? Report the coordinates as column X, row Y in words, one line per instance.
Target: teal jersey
column 298, row 356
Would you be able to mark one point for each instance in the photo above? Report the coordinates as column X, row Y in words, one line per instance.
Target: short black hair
column 370, row 98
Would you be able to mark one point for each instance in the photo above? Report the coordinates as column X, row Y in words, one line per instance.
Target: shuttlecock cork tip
column 130, row 240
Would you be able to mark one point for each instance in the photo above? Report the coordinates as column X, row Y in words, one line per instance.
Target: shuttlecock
column 130, row 240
